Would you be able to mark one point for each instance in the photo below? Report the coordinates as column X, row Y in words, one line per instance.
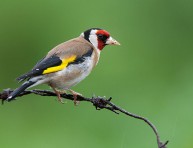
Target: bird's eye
column 100, row 36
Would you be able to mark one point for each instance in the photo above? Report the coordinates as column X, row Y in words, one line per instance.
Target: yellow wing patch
column 60, row 67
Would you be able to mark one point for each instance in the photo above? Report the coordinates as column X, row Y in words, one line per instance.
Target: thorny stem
column 98, row 102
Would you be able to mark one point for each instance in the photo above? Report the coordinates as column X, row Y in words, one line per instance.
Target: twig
column 98, row 102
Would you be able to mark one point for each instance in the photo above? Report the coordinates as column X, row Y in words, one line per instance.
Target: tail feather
column 19, row 90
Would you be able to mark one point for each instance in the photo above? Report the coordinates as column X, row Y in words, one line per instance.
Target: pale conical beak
column 111, row 41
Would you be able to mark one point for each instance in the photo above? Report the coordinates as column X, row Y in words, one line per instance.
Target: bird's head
column 99, row 38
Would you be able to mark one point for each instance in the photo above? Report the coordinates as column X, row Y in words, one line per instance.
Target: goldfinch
column 67, row 64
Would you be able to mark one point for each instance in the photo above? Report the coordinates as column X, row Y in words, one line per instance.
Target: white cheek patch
column 93, row 38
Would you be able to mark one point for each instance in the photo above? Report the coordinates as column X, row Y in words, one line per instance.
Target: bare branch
column 98, row 102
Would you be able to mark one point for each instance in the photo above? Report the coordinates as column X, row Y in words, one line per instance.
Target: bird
column 67, row 64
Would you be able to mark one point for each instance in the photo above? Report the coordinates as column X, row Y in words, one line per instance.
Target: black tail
column 19, row 90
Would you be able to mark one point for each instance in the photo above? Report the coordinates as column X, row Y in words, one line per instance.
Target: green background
column 150, row 74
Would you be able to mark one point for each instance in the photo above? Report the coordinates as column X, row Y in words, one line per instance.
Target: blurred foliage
column 150, row 74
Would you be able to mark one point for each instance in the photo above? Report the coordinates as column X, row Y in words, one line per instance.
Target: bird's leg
column 58, row 95
column 75, row 94
column 63, row 92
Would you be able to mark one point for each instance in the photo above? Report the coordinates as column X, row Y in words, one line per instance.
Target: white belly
column 72, row 75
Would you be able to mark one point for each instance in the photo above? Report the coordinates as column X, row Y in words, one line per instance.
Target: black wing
column 41, row 66
column 52, row 61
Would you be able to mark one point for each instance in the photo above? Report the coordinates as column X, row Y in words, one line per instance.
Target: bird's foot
column 60, row 100
column 58, row 95
column 75, row 94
